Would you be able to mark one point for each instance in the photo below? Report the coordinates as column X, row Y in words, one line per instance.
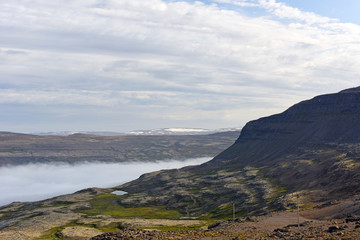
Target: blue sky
column 93, row 65
column 345, row 10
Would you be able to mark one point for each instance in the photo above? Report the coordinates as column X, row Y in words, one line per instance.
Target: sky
column 116, row 65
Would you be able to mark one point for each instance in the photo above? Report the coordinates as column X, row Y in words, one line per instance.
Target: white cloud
column 82, row 97
column 242, row 3
column 284, row 11
column 158, row 57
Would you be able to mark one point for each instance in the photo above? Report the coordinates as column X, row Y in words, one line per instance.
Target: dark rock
column 214, row 225
column 352, row 219
column 295, row 225
column 279, row 234
column 250, row 219
column 334, row 229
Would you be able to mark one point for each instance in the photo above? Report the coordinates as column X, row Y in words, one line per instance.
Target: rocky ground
column 89, row 213
column 65, row 217
column 277, row 226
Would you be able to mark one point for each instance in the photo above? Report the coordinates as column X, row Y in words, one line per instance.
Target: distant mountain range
column 159, row 131
column 18, row 148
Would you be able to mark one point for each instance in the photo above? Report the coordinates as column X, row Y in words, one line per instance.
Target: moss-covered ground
column 108, row 205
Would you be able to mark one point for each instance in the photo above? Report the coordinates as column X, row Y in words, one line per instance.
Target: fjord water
column 33, row 182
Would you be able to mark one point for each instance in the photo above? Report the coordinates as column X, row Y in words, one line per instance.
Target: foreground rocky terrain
column 89, row 213
column 306, row 158
column 23, row 148
column 281, row 225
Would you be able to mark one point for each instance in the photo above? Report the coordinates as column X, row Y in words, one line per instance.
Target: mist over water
column 33, row 182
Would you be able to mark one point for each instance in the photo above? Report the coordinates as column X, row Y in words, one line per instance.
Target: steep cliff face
column 331, row 118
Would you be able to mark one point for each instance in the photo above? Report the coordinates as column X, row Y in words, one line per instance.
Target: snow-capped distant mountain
column 180, row 131
column 67, row 133
column 160, row 131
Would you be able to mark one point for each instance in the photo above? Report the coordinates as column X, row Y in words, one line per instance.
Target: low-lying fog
column 34, row 182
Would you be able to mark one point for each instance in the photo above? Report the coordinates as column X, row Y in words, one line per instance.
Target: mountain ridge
column 16, row 149
column 312, row 147
column 280, row 133
column 157, row 131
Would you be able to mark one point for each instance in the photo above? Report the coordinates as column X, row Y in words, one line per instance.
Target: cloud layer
column 124, row 65
column 35, row 182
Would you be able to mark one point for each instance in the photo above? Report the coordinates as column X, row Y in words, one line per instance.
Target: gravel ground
column 277, row 226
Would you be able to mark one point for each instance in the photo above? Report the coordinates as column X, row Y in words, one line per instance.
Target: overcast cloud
column 123, row 65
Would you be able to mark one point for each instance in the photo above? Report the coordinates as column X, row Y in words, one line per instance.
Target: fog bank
column 33, row 182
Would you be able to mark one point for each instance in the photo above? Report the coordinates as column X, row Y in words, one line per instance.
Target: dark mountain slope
column 331, row 118
column 312, row 148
